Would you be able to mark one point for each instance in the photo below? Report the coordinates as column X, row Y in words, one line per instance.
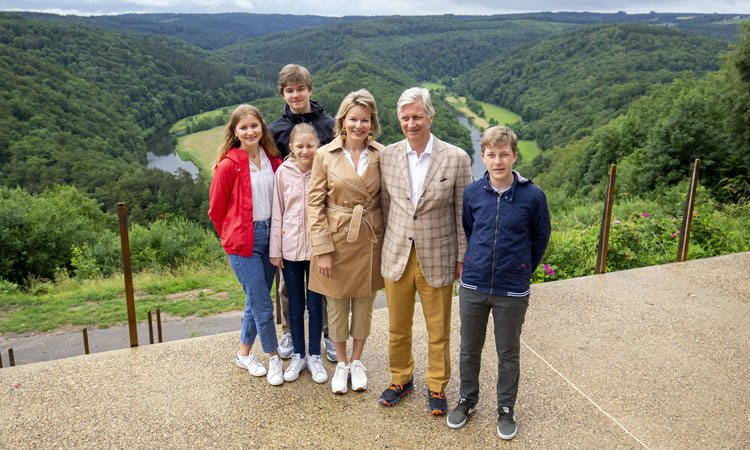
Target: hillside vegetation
column 566, row 86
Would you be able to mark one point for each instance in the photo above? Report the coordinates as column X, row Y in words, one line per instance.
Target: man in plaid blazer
column 422, row 185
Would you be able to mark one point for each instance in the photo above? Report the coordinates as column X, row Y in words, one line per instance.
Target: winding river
column 163, row 156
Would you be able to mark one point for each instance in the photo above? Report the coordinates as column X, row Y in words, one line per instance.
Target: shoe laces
column 506, row 414
column 439, row 395
column 464, row 405
column 396, row 387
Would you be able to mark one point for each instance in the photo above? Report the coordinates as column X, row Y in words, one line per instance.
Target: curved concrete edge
column 655, row 357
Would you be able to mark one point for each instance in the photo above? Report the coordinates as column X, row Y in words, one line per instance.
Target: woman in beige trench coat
column 346, row 232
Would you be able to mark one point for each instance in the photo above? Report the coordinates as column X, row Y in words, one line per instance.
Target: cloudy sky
column 368, row 7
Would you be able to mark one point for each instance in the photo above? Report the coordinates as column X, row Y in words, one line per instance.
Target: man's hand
column 459, row 270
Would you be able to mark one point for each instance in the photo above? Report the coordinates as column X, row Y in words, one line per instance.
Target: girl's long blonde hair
column 231, row 140
column 300, row 129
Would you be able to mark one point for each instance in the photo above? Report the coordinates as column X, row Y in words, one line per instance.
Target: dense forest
column 81, row 96
column 566, row 86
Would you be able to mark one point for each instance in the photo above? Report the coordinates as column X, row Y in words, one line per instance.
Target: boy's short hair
column 294, row 74
column 499, row 135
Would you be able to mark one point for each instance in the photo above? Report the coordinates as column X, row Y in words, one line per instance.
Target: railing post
column 122, row 210
column 601, row 254
column 687, row 215
column 1, row 360
column 85, row 341
column 158, row 323
column 150, row 328
column 11, row 358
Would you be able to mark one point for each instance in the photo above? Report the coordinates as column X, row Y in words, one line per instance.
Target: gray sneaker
column 460, row 414
column 330, row 349
column 286, row 346
column 506, row 424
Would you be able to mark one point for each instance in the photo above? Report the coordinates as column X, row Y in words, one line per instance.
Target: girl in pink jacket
column 290, row 251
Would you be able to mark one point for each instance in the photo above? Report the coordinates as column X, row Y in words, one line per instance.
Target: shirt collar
column 427, row 149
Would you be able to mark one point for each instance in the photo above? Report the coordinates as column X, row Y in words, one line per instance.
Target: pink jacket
column 289, row 236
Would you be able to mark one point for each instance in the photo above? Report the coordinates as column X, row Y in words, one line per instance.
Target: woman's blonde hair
column 231, row 140
column 299, row 130
column 363, row 98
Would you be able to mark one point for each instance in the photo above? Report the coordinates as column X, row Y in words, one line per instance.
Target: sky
column 338, row 8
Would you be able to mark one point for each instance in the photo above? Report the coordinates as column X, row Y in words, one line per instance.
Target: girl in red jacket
column 240, row 202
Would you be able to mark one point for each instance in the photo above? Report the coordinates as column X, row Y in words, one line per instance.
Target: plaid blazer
column 434, row 226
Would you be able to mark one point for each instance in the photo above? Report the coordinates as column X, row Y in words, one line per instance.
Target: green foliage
column 40, row 231
column 566, row 86
column 83, row 262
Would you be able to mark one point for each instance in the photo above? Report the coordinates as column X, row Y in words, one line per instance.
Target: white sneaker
column 340, row 379
column 286, row 347
column 315, row 366
column 330, row 349
column 250, row 363
column 359, row 376
column 275, row 371
column 296, row 365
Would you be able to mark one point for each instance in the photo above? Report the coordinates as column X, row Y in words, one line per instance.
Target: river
column 477, row 165
column 162, row 155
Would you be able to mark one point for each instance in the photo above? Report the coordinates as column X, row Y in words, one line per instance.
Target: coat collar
column 510, row 193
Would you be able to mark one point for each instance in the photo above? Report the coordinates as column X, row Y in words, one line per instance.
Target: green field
column 528, row 150
column 502, row 115
column 201, row 148
column 100, row 302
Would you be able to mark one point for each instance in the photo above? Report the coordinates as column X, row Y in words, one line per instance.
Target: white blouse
column 261, row 183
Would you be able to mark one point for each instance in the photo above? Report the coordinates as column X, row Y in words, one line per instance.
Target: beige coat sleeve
column 320, row 233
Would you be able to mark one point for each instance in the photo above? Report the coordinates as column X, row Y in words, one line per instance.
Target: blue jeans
column 295, row 274
column 255, row 274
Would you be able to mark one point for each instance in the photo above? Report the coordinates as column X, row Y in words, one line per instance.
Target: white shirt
column 362, row 161
column 261, row 183
column 418, row 166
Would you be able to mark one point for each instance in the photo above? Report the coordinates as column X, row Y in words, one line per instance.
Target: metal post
column 158, row 323
column 150, row 328
column 687, row 215
column 122, row 210
column 11, row 357
column 278, row 302
column 601, row 254
column 1, row 360
column 85, row 341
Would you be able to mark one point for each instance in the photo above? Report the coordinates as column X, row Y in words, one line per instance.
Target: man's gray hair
column 413, row 95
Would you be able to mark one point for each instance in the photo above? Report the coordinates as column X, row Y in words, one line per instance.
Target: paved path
column 648, row 358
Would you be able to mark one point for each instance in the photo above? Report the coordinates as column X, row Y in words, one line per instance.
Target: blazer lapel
column 345, row 172
column 435, row 163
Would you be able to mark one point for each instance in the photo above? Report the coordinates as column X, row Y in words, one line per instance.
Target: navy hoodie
column 317, row 117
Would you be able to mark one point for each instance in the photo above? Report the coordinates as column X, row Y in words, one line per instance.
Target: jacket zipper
column 494, row 244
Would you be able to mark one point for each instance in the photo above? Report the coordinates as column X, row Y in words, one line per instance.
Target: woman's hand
column 325, row 265
column 277, row 261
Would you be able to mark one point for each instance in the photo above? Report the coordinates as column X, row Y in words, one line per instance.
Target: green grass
column 527, row 150
column 201, row 148
column 502, row 115
column 101, row 302
column 181, row 124
column 433, row 86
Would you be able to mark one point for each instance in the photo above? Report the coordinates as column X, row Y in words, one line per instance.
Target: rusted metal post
column 601, row 254
column 278, row 302
column 122, row 210
column 687, row 215
column 150, row 328
column 1, row 360
column 85, row 341
column 11, row 357
column 158, row 323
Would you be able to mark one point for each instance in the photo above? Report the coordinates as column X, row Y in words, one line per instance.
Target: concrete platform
column 656, row 357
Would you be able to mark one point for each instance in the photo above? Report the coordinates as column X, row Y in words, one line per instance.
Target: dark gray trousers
column 508, row 314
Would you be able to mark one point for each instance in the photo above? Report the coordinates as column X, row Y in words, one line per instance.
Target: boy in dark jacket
column 507, row 226
column 295, row 85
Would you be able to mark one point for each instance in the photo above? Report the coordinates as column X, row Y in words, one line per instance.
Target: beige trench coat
column 343, row 211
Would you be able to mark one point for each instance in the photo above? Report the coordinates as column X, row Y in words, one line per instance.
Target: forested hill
column 209, row 31
column 566, row 86
column 427, row 48
column 74, row 104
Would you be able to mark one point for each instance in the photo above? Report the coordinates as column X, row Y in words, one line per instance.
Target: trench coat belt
column 358, row 219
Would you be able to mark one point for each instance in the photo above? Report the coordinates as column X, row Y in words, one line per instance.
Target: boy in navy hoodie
column 507, row 226
column 295, row 85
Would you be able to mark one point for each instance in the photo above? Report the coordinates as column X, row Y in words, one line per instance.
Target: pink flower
column 546, row 267
column 550, row 272
column 644, row 215
column 617, row 221
column 674, row 235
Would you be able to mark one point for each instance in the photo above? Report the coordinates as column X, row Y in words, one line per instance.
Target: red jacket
column 230, row 201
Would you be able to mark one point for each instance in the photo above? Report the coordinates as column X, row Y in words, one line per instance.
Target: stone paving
column 648, row 358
